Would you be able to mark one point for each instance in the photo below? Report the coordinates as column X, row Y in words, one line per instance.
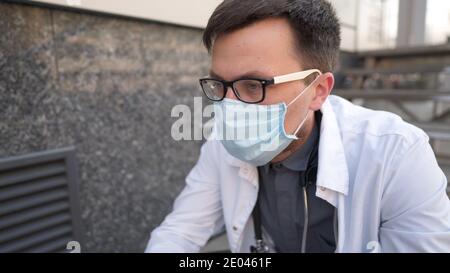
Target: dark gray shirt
column 282, row 204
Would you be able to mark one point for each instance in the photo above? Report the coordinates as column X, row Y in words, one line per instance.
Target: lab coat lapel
column 332, row 173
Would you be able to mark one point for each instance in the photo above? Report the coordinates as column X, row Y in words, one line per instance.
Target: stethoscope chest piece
column 260, row 247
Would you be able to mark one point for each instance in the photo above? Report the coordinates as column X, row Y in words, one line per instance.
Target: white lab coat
column 377, row 170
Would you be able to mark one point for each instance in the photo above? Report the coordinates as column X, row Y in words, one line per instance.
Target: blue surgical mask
column 254, row 133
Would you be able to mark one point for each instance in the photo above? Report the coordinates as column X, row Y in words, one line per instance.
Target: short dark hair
column 315, row 24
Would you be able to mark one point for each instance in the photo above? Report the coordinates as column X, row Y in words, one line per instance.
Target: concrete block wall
column 107, row 86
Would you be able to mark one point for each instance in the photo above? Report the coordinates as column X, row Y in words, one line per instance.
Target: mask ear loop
column 294, row 100
column 303, row 92
column 301, row 124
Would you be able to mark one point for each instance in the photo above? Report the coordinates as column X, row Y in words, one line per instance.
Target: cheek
column 316, row 102
column 296, row 111
column 273, row 96
column 282, row 93
column 299, row 109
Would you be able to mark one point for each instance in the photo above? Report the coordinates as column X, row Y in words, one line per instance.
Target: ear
column 323, row 89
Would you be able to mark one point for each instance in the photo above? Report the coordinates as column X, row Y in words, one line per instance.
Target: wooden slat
column 412, row 51
column 33, row 227
column 55, row 245
column 39, row 207
column 28, row 173
column 394, row 94
column 31, row 187
column 34, row 213
column 389, row 71
column 36, row 239
column 443, row 160
column 32, row 201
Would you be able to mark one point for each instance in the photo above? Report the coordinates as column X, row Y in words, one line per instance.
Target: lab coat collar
column 246, row 171
column 332, row 170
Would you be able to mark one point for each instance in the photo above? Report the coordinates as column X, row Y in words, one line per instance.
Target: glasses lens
column 213, row 89
column 249, row 90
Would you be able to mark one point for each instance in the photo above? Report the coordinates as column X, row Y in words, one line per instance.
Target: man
column 331, row 176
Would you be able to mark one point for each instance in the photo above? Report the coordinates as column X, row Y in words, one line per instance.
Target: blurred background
column 87, row 88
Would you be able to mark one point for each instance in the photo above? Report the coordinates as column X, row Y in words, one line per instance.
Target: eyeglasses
column 248, row 90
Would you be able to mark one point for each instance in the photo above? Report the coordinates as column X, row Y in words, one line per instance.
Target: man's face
column 264, row 50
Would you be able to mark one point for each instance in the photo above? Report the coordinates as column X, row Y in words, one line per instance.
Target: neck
column 296, row 145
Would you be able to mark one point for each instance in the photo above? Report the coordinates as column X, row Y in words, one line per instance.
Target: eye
column 252, row 85
column 213, row 85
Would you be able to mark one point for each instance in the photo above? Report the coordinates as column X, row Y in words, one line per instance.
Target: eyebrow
column 250, row 74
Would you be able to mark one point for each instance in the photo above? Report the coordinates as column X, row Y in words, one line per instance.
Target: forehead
column 266, row 46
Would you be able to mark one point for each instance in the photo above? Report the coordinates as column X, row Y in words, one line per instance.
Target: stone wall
column 107, row 86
